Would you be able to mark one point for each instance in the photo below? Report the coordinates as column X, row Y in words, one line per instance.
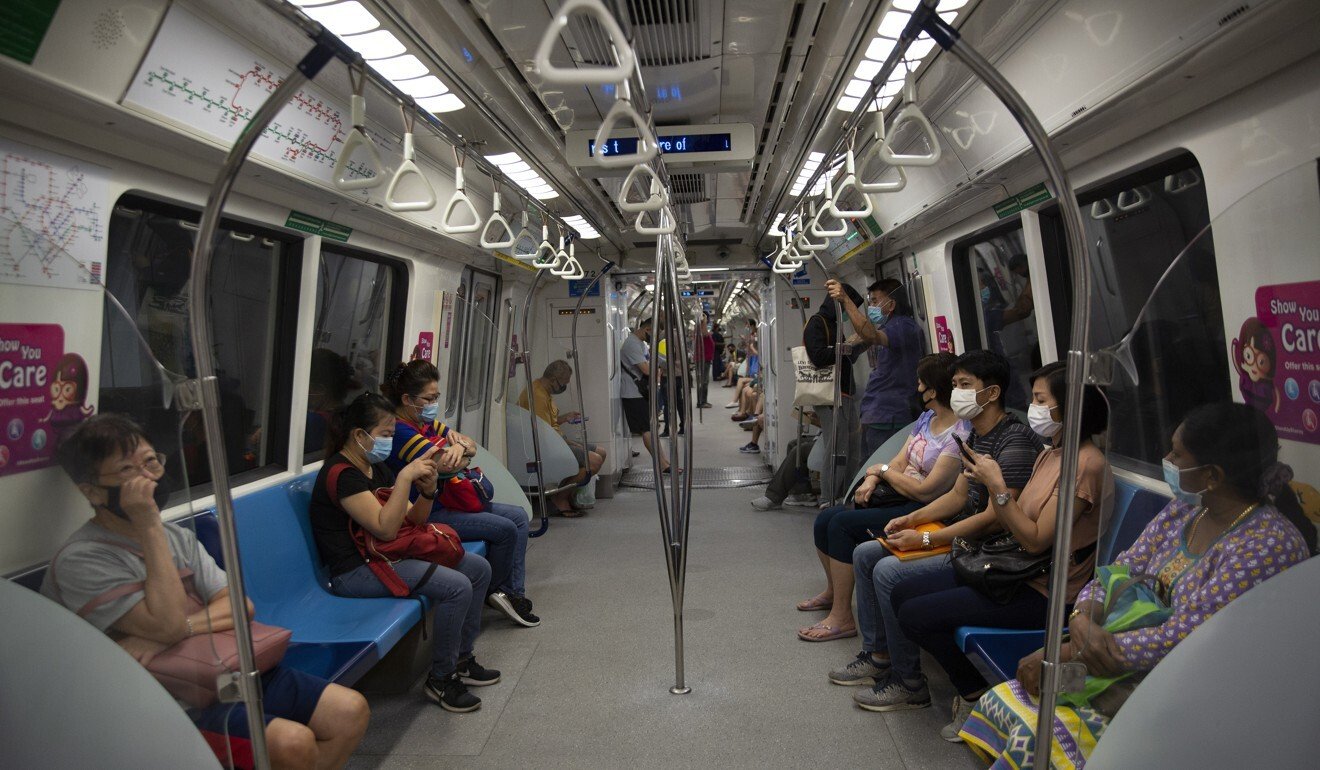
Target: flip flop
column 570, row 513
column 834, row 633
column 815, row 603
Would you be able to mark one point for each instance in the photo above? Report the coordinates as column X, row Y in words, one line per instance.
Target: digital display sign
column 669, row 145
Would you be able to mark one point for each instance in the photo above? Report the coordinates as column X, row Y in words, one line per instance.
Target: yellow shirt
column 545, row 404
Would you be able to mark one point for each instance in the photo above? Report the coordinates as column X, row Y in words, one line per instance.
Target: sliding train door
column 468, row 353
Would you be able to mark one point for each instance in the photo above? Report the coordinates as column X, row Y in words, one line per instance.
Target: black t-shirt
column 1014, row 446
column 330, row 522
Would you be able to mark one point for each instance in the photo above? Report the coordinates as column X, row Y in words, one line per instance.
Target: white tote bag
column 813, row 386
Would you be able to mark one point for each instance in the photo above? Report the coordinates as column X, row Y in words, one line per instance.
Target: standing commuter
column 633, row 388
column 704, row 359
column 819, row 336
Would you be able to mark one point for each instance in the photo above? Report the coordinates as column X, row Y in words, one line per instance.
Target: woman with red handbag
column 360, row 509
column 414, row 389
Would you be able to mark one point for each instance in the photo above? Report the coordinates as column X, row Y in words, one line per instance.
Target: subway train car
column 591, row 383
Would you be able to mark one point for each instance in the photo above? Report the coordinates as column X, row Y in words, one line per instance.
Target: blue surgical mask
column 381, row 446
column 1173, row 477
column 877, row 316
column 430, row 412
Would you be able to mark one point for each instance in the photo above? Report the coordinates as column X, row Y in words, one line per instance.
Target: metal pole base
column 676, row 690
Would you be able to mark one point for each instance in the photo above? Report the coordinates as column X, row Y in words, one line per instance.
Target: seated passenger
column 361, row 436
column 414, row 389
column 979, row 381
column 309, row 722
column 791, row 483
column 590, row 459
column 925, row 468
column 1234, row 523
column 731, row 362
column 932, row 606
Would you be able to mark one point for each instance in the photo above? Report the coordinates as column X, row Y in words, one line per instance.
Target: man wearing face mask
column 886, row 324
column 553, row 382
column 123, row 572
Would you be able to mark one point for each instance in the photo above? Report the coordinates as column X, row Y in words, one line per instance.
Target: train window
column 480, row 345
column 1135, row 228
column 253, row 290
column 994, row 295
column 359, row 326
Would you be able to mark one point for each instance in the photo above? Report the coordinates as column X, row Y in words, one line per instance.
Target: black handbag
column 997, row 566
column 884, row 496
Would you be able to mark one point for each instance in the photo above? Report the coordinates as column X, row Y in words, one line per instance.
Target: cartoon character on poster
column 1254, row 359
column 68, row 395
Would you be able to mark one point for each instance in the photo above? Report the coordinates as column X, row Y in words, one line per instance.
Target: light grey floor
column 590, row 686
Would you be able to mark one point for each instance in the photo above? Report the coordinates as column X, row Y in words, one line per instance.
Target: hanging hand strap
column 408, row 166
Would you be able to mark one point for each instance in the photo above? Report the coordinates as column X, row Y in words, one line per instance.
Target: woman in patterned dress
column 1233, row 524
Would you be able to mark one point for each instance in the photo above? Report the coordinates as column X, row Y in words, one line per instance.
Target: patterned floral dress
column 1002, row 726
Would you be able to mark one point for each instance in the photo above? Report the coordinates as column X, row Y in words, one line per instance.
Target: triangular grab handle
column 878, row 186
column 646, row 146
column 828, row 210
column 1103, row 209
column 584, row 75
column 357, row 138
column 663, row 216
column 849, row 183
column 805, row 244
column 497, row 219
column 911, row 113
column 654, row 200
column 427, row 201
column 1133, row 199
column 545, row 253
column 460, row 198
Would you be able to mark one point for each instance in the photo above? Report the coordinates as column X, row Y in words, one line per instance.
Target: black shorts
column 638, row 415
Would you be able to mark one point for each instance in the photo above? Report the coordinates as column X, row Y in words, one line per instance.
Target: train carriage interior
column 746, row 383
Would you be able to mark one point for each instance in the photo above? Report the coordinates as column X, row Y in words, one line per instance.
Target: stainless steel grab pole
column 248, row 680
column 801, row 418
column 531, row 410
column 836, row 418
column 577, row 309
column 681, row 479
column 1078, row 359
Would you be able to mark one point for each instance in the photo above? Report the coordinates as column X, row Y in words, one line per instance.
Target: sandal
column 570, row 513
column 815, row 603
column 832, row 633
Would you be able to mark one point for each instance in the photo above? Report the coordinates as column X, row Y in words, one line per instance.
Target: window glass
column 480, row 347
column 997, row 309
column 1135, row 228
column 147, row 267
column 456, row 361
column 354, row 327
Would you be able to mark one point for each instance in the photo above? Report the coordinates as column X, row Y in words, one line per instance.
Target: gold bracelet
column 188, row 622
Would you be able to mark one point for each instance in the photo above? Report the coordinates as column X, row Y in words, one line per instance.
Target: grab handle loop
column 911, row 113
column 665, row 219
column 500, row 222
column 1181, row 181
column 459, row 198
column 878, row 186
column 849, row 183
column 1103, row 209
column 545, row 253
column 804, row 242
column 524, row 247
column 1133, row 199
column 833, row 232
column 646, row 144
column 621, row 71
column 344, row 176
column 408, row 166
column 654, row 200
column 564, row 262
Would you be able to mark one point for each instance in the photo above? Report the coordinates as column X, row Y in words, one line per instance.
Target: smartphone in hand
column 962, row 448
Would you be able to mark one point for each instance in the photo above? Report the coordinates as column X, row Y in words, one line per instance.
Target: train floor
column 590, row 686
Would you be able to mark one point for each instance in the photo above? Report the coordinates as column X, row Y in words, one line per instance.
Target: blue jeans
column 877, row 572
column 457, row 595
column 505, row 531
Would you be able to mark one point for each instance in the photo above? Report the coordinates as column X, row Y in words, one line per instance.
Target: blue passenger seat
column 996, row 651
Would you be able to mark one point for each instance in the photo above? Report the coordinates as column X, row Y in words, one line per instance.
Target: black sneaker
column 523, row 606
column 474, row 674
column 452, row 695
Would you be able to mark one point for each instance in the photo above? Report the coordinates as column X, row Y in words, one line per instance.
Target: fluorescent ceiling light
column 400, row 67
column 880, row 48
column 505, row 159
column 380, row 44
column 867, row 70
column 518, row 167
column 439, row 104
column 427, row 85
column 857, row 87
column 344, row 18
column 893, row 23
column 520, row 176
column 847, row 103
column 545, row 196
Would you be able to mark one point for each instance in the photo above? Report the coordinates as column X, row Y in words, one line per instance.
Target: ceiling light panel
column 380, row 44
column 344, row 18
column 883, row 44
column 427, row 85
column 400, row 67
column 517, row 171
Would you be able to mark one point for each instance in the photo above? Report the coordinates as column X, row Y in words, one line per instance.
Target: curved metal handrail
column 573, row 352
column 526, row 355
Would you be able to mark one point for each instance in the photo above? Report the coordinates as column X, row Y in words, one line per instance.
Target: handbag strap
column 120, row 591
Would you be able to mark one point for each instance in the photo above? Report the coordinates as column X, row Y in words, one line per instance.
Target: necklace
column 1191, row 535
column 1182, row 559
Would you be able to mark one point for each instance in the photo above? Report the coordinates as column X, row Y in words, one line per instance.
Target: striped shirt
column 1014, row 446
column 411, row 441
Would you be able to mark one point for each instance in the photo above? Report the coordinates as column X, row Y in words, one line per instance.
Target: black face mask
column 161, row 496
column 559, row 387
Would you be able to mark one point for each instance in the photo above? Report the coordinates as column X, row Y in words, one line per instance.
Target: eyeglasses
column 153, row 466
column 428, row 399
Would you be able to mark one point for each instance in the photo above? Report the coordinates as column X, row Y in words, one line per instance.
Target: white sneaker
column 961, row 710
column 765, row 504
column 733, row 405
column 801, row 501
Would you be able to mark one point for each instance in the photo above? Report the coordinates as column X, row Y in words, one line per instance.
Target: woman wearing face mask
column 361, row 436
column 1233, row 523
column 931, row 607
column 414, row 389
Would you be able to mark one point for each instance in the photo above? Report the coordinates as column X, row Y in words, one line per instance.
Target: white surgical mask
column 963, row 403
column 1038, row 417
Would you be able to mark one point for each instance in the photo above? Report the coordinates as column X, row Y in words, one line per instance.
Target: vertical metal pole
column 801, row 420
column 249, row 683
column 531, row 410
column 680, row 483
column 1078, row 360
column 836, row 418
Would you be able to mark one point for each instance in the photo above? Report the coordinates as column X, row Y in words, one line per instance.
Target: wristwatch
column 883, row 470
column 1002, row 499
column 925, row 541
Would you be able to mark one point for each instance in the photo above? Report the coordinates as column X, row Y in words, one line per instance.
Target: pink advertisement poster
column 943, row 336
column 43, row 394
column 425, row 349
column 1276, row 355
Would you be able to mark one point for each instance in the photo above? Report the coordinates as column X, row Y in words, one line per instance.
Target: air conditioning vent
column 688, row 188
column 665, row 32
column 1234, row 14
